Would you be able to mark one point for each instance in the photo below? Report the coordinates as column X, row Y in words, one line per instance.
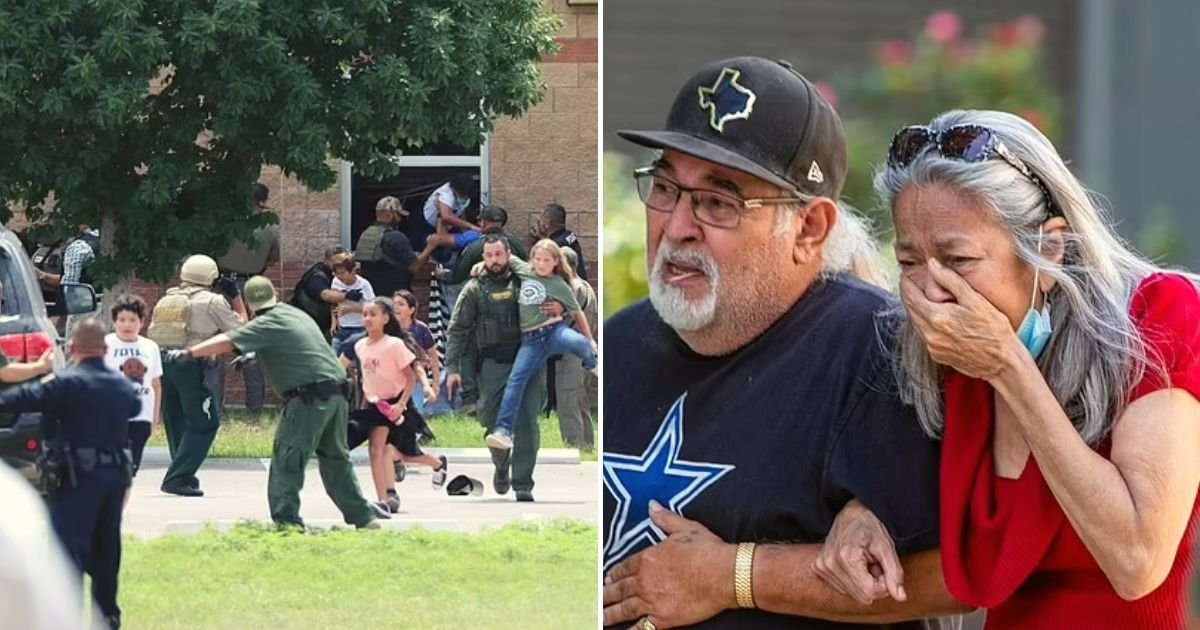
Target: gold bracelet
column 743, row 575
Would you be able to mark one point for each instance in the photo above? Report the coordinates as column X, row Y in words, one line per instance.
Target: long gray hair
column 1095, row 354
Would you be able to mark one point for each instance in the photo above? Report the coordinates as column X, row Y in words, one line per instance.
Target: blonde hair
column 562, row 267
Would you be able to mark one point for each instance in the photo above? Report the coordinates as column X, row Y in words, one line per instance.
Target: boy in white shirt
column 358, row 292
column 140, row 360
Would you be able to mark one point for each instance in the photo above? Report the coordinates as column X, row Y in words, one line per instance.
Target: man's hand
column 477, row 270
column 453, row 384
column 553, row 308
column 686, row 579
column 859, row 558
column 45, row 363
column 173, row 357
column 227, row 287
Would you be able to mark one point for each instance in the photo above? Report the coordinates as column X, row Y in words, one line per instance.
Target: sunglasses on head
column 968, row 143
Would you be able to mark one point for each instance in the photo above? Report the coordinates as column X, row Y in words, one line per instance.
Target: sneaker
column 500, row 439
column 372, row 524
column 393, row 501
column 501, row 480
column 525, row 496
column 401, row 470
column 439, row 475
column 380, row 509
column 181, row 489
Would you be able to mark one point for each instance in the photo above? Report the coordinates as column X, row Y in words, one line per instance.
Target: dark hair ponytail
column 394, row 329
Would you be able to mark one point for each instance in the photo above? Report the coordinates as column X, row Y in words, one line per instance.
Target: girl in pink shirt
column 390, row 370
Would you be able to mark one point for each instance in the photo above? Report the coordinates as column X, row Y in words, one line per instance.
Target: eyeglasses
column 968, row 143
column 709, row 207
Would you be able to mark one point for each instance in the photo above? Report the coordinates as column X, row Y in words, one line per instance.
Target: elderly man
column 748, row 401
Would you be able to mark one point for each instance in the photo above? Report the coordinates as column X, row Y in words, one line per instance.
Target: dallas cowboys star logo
column 726, row 100
column 657, row 474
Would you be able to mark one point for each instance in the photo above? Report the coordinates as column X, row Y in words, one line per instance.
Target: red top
column 1006, row 544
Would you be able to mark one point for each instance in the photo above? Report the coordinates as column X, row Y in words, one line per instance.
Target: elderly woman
column 1061, row 371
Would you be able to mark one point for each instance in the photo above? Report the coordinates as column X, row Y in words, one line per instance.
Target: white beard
column 673, row 306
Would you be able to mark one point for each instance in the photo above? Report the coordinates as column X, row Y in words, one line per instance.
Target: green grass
column 521, row 576
column 246, row 434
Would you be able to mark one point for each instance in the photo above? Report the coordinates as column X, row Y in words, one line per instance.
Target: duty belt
column 322, row 390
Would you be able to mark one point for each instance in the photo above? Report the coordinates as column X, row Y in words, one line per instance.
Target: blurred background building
column 1110, row 82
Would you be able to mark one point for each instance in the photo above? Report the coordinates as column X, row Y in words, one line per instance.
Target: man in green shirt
column 304, row 372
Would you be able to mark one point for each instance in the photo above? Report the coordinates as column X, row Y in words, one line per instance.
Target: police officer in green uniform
column 188, row 314
column 485, row 331
column 303, row 371
column 85, row 467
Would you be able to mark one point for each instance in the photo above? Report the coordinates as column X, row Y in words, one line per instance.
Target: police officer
column 313, row 385
column 485, row 331
column 85, row 466
column 188, row 314
column 314, row 292
column 553, row 225
column 570, row 379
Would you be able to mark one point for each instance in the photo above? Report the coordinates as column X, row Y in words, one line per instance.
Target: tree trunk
column 108, row 231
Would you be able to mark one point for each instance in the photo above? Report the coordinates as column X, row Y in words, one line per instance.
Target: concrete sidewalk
column 159, row 456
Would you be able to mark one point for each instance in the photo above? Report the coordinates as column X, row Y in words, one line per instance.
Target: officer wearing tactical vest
column 85, row 467
column 485, row 331
column 314, row 292
column 385, row 253
column 303, row 371
column 188, row 314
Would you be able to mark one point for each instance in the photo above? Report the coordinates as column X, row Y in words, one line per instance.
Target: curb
column 159, row 456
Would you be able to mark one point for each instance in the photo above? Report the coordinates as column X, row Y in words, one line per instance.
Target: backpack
column 370, row 246
column 169, row 322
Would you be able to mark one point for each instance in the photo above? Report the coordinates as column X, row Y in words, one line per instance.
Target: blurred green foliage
column 1001, row 67
column 624, row 235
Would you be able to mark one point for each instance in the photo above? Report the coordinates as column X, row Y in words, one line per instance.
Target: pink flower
column 1030, row 29
column 1035, row 118
column 894, row 53
column 826, row 91
column 943, row 27
column 1004, row 36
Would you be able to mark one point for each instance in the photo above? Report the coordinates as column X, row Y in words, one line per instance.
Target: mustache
column 668, row 254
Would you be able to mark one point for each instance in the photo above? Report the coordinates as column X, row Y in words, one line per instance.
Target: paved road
column 237, row 490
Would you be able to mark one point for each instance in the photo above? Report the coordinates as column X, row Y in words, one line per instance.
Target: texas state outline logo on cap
column 726, row 100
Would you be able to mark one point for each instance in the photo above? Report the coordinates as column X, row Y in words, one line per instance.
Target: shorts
column 139, row 434
column 404, row 436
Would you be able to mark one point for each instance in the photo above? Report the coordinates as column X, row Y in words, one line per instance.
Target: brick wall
column 550, row 153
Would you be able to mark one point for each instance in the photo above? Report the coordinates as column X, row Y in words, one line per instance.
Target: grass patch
column 247, row 434
column 521, row 576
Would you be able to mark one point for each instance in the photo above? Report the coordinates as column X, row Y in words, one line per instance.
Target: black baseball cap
column 760, row 117
column 493, row 214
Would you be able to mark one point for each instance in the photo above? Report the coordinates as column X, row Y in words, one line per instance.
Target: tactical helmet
column 199, row 269
column 259, row 293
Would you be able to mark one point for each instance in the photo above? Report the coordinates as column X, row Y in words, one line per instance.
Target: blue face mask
column 1034, row 331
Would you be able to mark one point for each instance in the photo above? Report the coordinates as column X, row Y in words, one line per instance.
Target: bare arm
column 446, row 214
column 213, row 346
column 156, row 385
column 581, row 323
column 18, row 372
column 689, row 578
column 1131, row 511
column 333, row 297
column 423, row 256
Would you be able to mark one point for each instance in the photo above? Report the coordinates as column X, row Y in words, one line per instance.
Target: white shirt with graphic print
column 354, row 320
column 145, row 351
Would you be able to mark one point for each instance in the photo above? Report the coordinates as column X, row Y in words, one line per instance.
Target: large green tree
column 150, row 118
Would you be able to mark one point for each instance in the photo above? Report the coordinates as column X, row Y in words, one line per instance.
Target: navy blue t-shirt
column 766, row 444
